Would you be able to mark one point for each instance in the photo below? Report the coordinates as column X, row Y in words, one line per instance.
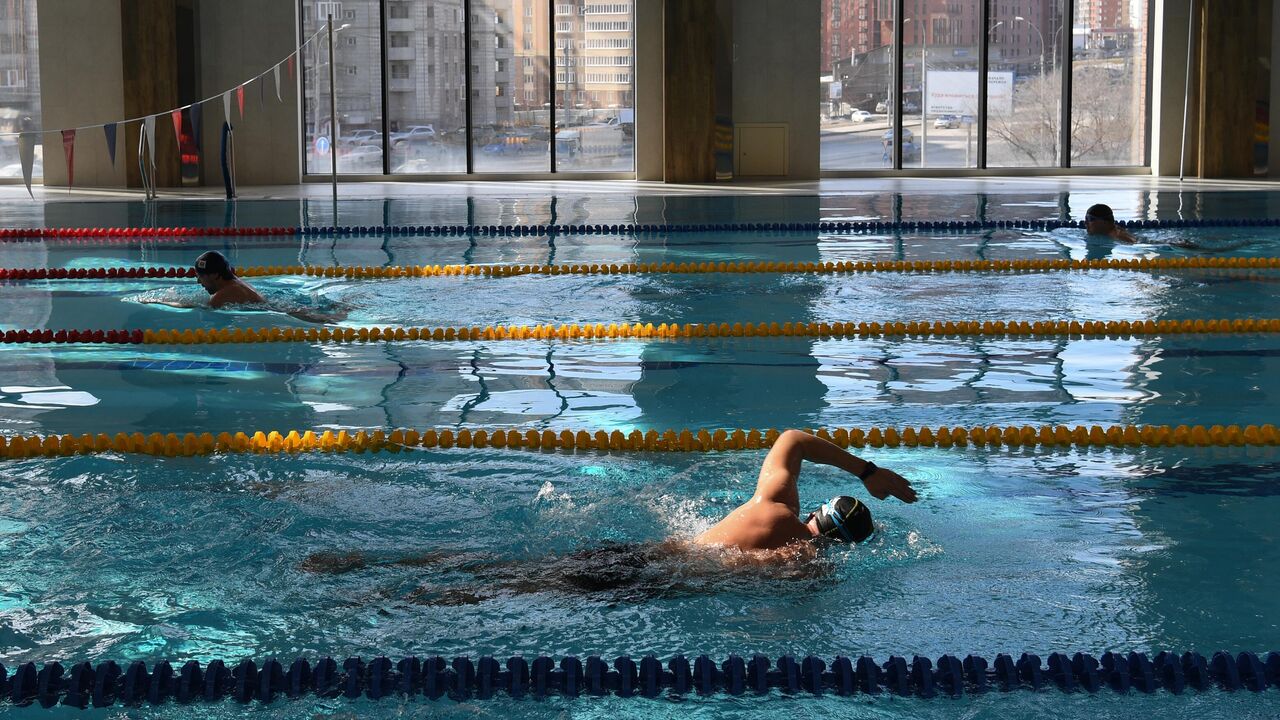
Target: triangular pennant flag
column 110, row 130
column 27, row 155
column 291, row 67
column 196, row 113
column 149, row 132
column 176, row 116
column 226, row 105
column 69, row 150
column 276, row 71
column 240, row 100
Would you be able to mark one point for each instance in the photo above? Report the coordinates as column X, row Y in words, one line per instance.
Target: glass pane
column 511, row 112
column 857, row 82
column 1109, row 83
column 358, row 76
column 1024, row 86
column 426, row 86
column 595, row 91
column 940, row 84
column 19, row 85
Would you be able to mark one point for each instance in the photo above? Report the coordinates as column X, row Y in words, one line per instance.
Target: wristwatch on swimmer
column 867, row 471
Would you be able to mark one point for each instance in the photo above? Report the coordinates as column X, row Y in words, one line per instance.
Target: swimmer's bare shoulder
column 235, row 294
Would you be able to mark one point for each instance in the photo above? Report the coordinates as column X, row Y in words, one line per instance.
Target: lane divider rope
column 686, row 440
column 491, row 271
column 83, row 684
column 132, row 234
column 648, row 331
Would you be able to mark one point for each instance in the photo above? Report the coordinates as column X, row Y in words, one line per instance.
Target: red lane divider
column 94, row 273
column 120, row 337
column 134, row 233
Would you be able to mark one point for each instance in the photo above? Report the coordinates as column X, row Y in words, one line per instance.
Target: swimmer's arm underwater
column 781, row 469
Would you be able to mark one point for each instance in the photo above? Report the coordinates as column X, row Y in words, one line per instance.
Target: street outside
column 847, row 145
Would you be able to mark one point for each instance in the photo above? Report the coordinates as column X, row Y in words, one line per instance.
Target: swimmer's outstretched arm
column 781, row 469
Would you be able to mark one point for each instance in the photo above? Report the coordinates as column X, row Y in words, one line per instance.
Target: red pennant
column 240, row 100
column 291, row 67
column 69, row 149
column 176, row 116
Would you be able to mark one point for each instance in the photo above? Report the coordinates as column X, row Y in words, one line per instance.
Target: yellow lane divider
column 1011, row 436
column 850, row 266
column 671, row 331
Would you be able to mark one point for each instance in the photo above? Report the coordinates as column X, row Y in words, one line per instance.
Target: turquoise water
column 128, row 557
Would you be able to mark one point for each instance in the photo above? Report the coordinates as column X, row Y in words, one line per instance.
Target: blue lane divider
column 106, row 684
column 831, row 227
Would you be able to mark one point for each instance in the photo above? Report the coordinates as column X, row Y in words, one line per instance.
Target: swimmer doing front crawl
column 764, row 532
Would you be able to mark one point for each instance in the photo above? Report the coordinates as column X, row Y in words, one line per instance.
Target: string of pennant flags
column 27, row 138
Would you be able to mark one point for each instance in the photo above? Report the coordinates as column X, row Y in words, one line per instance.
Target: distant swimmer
column 765, row 536
column 218, row 278
column 1099, row 220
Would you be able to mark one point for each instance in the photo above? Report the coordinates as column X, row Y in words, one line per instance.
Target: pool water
column 136, row 557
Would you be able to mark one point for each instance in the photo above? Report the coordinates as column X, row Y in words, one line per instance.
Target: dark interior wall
column 689, row 90
column 149, row 53
column 1229, row 68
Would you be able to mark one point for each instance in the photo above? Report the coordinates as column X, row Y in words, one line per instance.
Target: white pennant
column 276, row 71
column 27, row 156
column 226, row 105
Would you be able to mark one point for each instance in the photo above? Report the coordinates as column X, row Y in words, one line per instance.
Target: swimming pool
column 135, row 557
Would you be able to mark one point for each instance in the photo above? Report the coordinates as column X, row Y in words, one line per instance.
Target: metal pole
column 924, row 93
column 899, row 24
column 1186, row 92
column 333, row 125
column 984, row 74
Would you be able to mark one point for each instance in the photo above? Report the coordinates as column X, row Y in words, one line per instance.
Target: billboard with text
column 952, row 92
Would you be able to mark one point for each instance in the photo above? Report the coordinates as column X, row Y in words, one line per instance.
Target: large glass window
column 510, row 111
column 940, row 83
column 857, row 83
column 19, row 84
column 1025, row 85
column 594, row 63
column 437, row 64
column 1109, row 83
column 1032, row 48
column 426, row 86
column 357, row 73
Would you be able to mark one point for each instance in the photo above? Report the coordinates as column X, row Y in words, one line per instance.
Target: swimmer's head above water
column 842, row 519
column 218, row 278
column 213, row 271
column 1099, row 220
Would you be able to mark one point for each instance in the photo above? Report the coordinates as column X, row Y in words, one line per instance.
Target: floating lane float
column 649, row 331
column 136, row 234
column 82, row 684
column 685, row 440
column 670, row 268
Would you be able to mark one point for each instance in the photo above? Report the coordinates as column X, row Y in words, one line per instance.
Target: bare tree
column 1101, row 117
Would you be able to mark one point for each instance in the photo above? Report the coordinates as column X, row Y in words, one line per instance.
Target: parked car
column 882, row 107
column 414, row 133
column 362, row 137
column 947, row 122
column 907, row 135
column 15, row 170
column 859, row 116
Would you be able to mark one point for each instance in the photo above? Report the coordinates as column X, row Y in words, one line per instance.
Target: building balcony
column 400, row 25
column 401, row 85
column 402, row 53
